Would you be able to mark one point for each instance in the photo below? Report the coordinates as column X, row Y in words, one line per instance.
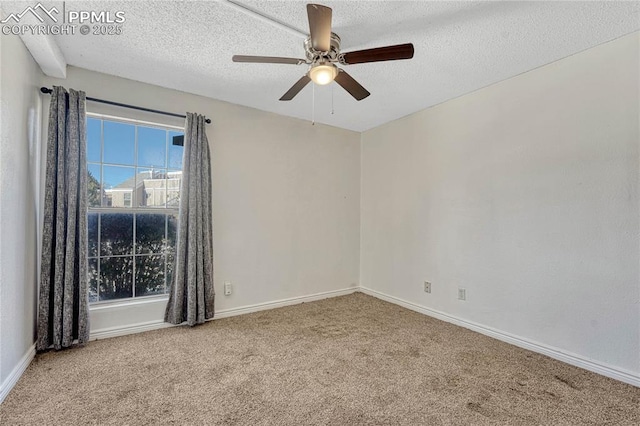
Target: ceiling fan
column 322, row 50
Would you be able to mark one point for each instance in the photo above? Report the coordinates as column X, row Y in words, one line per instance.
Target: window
column 134, row 174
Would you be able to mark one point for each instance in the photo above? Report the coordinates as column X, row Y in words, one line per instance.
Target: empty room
column 245, row 212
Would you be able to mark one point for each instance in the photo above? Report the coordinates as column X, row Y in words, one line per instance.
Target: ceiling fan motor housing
column 332, row 55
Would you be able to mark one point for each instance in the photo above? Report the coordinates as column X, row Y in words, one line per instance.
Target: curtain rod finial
column 45, row 90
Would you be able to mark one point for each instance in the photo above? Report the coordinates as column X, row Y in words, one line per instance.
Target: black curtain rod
column 102, row 101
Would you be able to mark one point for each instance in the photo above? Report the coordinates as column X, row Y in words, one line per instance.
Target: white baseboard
column 17, row 371
column 283, row 302
column 105, row 333
column 552, row 352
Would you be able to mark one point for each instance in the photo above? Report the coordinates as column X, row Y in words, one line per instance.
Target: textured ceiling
column 460, row 47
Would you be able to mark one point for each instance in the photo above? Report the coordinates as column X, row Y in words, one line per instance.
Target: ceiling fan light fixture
column 322, row 74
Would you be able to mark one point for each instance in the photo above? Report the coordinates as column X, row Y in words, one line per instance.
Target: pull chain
column 332, row 85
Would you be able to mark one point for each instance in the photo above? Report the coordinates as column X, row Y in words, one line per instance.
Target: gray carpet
column 342, row 361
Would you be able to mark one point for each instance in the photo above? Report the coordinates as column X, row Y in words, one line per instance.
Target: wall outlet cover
column 462, row 294
column 427, row 287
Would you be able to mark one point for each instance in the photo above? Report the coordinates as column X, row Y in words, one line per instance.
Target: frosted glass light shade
column 323, row 74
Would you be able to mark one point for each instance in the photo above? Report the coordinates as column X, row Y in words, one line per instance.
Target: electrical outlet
column 227, row 288
column 427, row 287
column 462, row 293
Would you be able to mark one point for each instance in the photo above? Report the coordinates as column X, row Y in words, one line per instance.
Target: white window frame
column 133, row 300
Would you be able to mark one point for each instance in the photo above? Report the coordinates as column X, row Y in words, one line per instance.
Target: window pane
column 174, row 180
column 175, row 151
column 92, row 221
column 172, row 230
column 170, row 267
column 116, row 234
column 170, row 248
column 94, row 129
column 94, row 191
column 119, row 143
column 149, row 275
column 93, row 280
column 151, row 186
column 150, row 233
column 117, row 181
column 152, row 147
column 116, row 278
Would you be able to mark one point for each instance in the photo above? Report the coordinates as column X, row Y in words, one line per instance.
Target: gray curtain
column 192, row 295
column 63, row 305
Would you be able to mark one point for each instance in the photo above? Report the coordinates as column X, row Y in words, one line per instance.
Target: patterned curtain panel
column 192, row 295
column 63, row 305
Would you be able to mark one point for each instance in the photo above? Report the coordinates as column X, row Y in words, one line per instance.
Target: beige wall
column 19, row 171
column 286, row 197
column 526, row 194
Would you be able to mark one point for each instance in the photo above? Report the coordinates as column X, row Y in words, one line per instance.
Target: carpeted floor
column 343, row 361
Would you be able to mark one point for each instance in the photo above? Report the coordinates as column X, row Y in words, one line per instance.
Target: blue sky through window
column 119, row 143
column 93, row 139
column 119, row 148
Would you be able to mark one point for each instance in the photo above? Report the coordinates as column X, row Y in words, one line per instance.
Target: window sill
column 128, row 302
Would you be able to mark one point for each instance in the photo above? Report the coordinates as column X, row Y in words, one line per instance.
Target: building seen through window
column 152, row 188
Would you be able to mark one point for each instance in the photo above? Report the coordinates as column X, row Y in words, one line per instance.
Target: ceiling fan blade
column 378, row 54
column 320, row 26
column 267, row 60
column 296, row 88
column 350, row 85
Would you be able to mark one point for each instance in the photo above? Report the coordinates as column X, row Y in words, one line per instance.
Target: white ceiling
column 460, row 46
